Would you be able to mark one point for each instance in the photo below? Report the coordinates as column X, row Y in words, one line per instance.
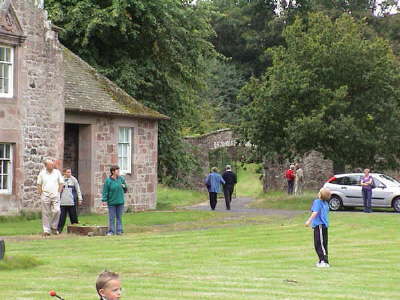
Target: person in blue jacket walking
column 213, row 183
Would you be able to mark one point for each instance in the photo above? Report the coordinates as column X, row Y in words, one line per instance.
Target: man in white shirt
column 50, row 183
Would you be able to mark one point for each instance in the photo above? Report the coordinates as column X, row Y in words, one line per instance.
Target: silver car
column 346, row 191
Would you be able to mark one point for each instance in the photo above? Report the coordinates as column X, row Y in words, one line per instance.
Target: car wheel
column 396, row 204
column 335, row 203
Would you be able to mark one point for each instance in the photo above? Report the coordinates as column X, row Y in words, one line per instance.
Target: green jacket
column 113, row 192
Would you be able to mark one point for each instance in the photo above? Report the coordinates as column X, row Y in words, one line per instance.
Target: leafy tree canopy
column 332, row 90
column 155, row 50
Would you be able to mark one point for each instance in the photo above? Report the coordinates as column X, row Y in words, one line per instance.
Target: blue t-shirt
column 322, row 208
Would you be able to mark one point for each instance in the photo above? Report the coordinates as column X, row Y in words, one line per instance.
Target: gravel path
column 241, row 206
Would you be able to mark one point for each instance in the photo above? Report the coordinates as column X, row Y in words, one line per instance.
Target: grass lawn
column 249, row 184
column 281, row 200
column 170, row 198
column 205, row 255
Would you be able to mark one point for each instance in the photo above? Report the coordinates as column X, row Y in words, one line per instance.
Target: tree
column 244, row 28
column 331, row 90
column 155, row 50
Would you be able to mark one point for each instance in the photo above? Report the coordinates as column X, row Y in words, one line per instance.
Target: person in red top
column 290, row 176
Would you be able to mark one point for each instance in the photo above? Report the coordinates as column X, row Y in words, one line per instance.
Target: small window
column 6, row 168
column 6, row 71
column 125, row 150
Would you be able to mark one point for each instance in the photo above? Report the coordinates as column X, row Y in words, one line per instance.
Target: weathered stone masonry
column 33, row 119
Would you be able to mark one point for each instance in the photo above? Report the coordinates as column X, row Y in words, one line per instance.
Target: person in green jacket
column 113, row 197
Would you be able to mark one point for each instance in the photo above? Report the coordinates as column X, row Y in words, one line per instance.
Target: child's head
column 67, row 172
column 108, row 286
column 324, row 194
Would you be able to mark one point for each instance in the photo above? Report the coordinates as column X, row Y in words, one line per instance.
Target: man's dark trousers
column 228, row 191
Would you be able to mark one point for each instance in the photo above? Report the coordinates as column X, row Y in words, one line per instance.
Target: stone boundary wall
column 201, row 146
column 317, row 171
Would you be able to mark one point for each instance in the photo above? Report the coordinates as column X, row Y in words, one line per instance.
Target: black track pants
column 321, row 242
column 73, row 216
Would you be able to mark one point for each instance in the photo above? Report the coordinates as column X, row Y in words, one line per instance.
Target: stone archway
column 216, row 148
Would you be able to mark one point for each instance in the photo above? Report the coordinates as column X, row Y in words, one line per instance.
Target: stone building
column 54, row 105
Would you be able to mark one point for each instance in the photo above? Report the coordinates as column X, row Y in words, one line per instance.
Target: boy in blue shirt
column 319, row 221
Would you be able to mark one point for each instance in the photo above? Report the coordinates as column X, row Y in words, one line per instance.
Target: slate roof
column 88, row 91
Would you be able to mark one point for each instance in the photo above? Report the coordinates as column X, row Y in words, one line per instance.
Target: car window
column 339, row 180
column 345, row 180
column 354, row 179
column 377, row 182
column 389, row 178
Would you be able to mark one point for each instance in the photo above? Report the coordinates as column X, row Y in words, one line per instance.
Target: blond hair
column 324, row 194
column 103, row 279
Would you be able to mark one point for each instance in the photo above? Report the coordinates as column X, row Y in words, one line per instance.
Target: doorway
column 78, row 157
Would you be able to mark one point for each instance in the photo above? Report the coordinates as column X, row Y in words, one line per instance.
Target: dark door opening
column 71, row 148
column 78, row 157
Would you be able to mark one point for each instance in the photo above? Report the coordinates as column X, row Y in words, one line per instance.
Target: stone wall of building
column 33, row 119
column 142, row 182
column 41, row 91
column 95, row 161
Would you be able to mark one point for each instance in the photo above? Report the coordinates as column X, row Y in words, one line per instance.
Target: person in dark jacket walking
column 213, row 183
column 230, row 181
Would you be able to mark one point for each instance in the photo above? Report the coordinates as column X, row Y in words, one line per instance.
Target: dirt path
column 241, row 206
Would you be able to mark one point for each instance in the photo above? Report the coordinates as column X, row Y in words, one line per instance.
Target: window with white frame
column 6, row 157
column 6, row 71
column 125, row 149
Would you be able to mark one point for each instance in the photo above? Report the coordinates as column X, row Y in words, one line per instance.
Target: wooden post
column 2, row 249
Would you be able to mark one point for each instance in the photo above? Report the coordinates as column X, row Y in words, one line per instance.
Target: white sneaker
column 322, row 264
